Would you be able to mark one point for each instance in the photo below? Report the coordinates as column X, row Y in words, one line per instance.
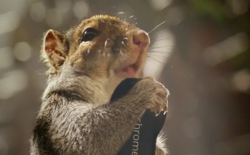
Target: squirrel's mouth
column 130, row 70
column 127, row 71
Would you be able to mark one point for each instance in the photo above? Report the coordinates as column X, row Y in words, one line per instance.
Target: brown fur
column 74, row 117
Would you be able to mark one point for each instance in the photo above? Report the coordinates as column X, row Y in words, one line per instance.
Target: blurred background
column 201, row 53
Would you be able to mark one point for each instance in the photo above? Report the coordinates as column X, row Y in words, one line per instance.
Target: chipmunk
column 86, row 63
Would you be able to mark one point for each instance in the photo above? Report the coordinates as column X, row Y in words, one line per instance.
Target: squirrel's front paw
column 155, row 94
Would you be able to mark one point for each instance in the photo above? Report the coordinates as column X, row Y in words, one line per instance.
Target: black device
column 143, row 137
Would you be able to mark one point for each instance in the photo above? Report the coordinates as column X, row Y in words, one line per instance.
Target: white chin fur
column 160, row 143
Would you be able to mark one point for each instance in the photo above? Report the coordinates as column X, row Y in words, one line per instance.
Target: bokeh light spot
column 37, row 11
column 160, row 4
column 6, row 58
column 54, row 18
column 81, row 9
column 22, row 51
column 12, row 83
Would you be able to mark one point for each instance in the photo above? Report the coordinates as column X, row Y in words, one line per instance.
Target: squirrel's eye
column 89, row 34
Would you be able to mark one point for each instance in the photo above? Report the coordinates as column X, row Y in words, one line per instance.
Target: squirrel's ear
column 54, row 48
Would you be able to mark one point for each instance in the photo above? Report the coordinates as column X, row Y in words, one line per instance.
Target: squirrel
column 85, row 64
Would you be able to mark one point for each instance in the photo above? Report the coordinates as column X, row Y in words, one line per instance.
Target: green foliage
column 242, row 60
column 212, row 8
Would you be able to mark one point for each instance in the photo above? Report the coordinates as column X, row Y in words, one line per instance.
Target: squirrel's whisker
column 106, row 42
column 131, row 16
column 88, row 50
column 123, row 43
column 157, row 26
column 121, row 52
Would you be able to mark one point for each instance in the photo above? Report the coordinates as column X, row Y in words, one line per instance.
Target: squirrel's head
column 102, row 47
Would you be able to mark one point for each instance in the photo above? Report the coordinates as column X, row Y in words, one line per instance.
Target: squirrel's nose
column 141, row 39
